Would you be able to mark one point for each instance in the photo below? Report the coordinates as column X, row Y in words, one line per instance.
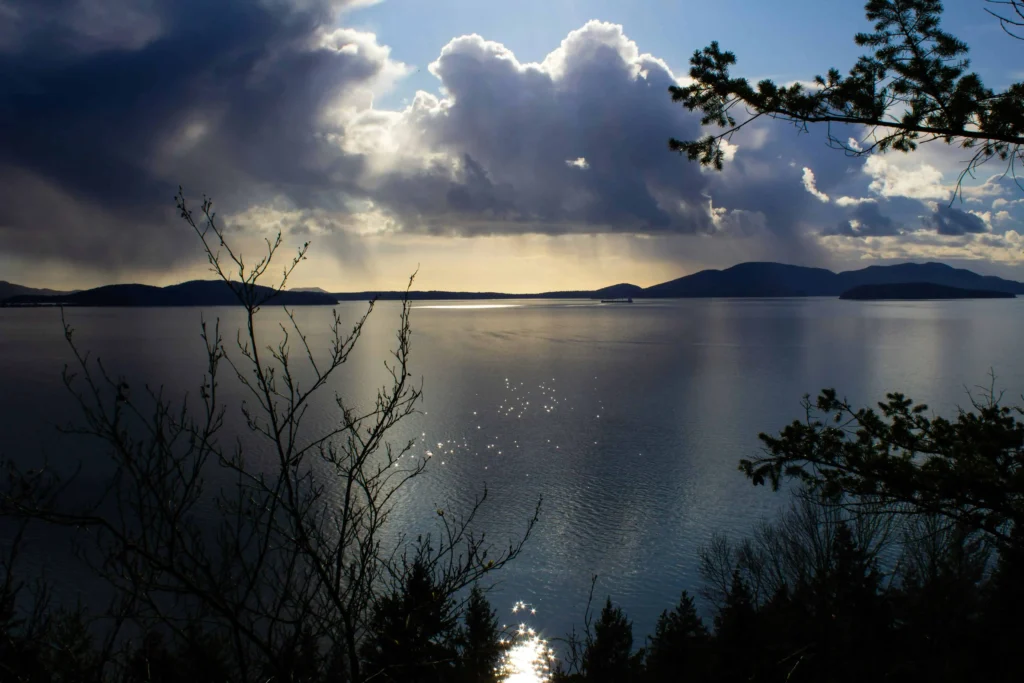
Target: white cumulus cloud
column 891, row 180
column 810, row 186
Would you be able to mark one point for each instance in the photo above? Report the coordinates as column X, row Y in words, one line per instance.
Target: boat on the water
column 628, row 300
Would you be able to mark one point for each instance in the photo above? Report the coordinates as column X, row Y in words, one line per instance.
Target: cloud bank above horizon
column 506, row 171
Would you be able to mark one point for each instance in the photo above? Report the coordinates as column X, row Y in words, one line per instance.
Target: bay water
column 627, row 420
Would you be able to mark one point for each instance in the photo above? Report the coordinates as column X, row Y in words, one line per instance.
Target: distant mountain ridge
column 9, row 289
column 752, row 279
column 756, row 279
column 192, row 293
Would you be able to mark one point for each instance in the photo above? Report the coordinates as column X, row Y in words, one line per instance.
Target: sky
column 514, row 147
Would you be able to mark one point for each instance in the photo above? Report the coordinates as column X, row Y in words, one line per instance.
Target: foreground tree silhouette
column 913, row 87
column 609, row 656
column 838, row 615
column 940, row 601
column 680, row 645
column 412, row 633
column 827, row 593
column 274, row 545
column 957, row 488
column 968, row 471
column 481, row 644
column 736, row 627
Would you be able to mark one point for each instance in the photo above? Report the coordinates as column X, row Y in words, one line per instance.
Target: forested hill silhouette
column 753, row 279
column 750, row 280
column 9, row 289
column 757, row 279
column 193, row 293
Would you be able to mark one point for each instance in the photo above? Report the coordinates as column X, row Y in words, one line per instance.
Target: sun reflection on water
column 528, row 659
column 471, row 306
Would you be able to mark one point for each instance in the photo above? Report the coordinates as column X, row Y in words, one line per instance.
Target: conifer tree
column 412, row 633
column 844, row 615
column 736, row 633
column 913, row 86
column 1003, row 627
column 678, row 650
column 481, row 647
column 609, row 657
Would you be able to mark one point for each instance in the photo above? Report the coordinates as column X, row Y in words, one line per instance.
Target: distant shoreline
column 754, row 280
column 919, row 291
column 973, row 295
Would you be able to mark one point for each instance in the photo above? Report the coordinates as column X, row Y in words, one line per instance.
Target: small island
column 910, row 291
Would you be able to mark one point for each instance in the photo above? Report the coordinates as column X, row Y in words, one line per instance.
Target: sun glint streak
column 471, row 306
column 528, row 660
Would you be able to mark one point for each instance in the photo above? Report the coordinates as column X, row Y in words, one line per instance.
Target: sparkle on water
column 515, row 405
column 529, row 658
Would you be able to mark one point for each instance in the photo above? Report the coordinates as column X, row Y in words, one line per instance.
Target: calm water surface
column 628, row 420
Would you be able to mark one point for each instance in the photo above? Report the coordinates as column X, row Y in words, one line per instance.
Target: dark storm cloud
column 866, row 220
column 107, row 105
column 873, row 222
column 946, row 220
column 843, row 228
column 64, row 27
